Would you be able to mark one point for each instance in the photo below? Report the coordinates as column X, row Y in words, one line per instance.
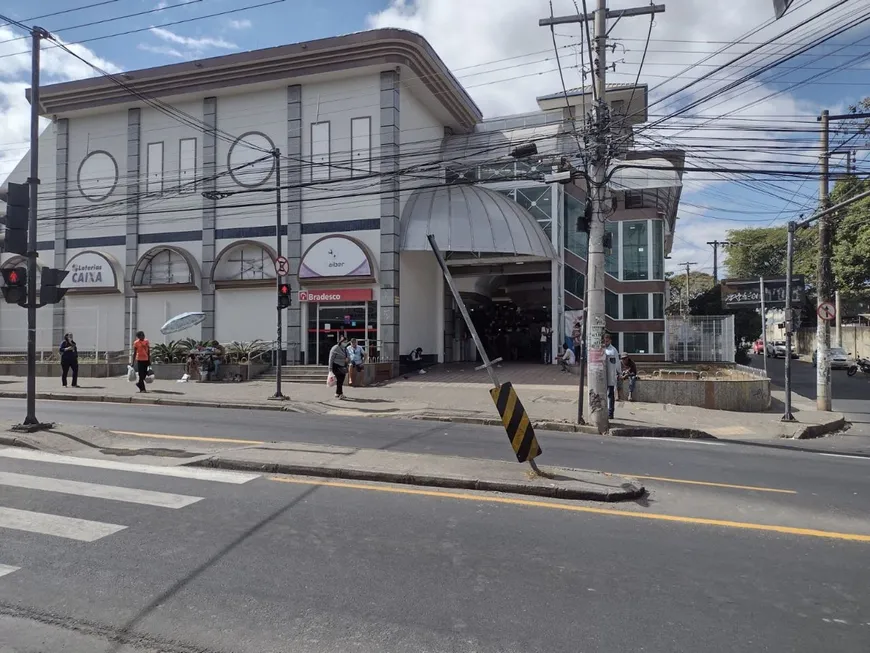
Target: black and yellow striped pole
column 513, row 415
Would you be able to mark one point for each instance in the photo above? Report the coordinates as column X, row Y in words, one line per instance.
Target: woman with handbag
column 338, row 365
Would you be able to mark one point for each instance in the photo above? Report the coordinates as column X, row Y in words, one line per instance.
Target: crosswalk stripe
column 67, row 527
column 7, row 569
column 196, row 473
column 97, row 491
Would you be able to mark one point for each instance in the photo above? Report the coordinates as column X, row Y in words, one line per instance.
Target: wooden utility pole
column 688, row 266
column 716, row 244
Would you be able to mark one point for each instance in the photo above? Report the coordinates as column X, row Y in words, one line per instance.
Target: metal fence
column 700, row 339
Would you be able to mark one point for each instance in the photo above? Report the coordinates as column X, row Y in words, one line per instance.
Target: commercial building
column 378, row 143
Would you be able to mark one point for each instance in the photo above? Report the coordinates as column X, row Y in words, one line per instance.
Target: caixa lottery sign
column 746, row 293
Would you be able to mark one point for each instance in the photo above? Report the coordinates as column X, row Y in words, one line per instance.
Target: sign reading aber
column 335, row 256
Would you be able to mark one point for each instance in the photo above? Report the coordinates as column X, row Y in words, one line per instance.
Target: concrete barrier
column 751, row 395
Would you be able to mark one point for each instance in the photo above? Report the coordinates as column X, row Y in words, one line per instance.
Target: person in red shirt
column 142, row 356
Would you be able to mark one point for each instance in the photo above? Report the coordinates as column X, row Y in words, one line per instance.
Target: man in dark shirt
column 629, row 371
column 69, row 360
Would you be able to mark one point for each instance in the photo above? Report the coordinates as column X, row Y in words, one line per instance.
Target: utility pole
column 597, row 191
column 37, row 34
column 688, row 265
column 279, row 395
column 716, row 244
column 824, row 281
column 789, row 322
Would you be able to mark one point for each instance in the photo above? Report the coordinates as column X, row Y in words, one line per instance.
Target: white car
column 840, row 360
column 777, row 349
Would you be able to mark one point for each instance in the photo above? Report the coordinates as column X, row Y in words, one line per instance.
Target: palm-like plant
column 171, row 352
column 244, row 352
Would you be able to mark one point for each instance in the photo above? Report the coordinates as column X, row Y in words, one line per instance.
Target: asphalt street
column 97, row 559
column 850, row 395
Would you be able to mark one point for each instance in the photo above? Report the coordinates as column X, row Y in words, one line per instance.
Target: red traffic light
column 13, row 277
column 285, row 289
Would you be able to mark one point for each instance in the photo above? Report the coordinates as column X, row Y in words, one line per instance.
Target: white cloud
column 689, row 32
column 193, row 44
column 56, row 66
column 240, row 24
column 162, row 49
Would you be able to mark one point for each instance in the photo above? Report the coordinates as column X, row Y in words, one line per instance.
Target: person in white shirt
column 355, row 353
column 546, row 333
column 567, row 358
column 611, row 363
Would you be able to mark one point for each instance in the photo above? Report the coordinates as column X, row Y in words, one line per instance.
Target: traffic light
column 50, row 291
column 17, row 198
column 15, row 290
column 284, row 296
column 584, row 220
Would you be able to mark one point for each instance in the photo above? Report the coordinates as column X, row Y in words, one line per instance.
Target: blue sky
column 505, row 60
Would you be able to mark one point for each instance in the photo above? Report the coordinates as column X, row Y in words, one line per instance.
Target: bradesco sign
column 336, row 295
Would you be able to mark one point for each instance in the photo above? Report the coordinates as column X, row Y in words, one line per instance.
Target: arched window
column 244, row 263
column 165, row 267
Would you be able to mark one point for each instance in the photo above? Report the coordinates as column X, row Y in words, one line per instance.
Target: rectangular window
column 575, row 241
column 635, row 306
column 658, row 306
column 635, row 343
column 574, row 282
column 187, row 165
column 635, row 251
column 154, row 168
column 658, row 343
column 361, row 146
column 634, row 199
column 319, row 151
column 611, row 304
column 611, row 260
column 658, row 247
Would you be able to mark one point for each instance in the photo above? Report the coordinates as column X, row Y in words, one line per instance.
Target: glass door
column 333, row 321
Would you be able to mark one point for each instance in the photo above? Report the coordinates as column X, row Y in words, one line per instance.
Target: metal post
column 581, row 384
column 838, row 327
column 36, row 38
column 763, row 321
column 278, row 279
column 824, row 280
column 789, row 321
column 487, row 364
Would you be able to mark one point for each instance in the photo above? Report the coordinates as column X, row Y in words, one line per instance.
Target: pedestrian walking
column 355, row 353
column 338, row 365
column 69, row 360
column 611, row 362
column 142, row 355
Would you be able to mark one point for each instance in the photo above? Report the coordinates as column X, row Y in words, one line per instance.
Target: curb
column 7, row 441
column 814, row 431
column 565, row 427
column 148, row 401
column 627, row 492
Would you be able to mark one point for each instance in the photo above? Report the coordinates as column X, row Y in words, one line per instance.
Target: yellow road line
column 162, row 436
column 701, row 521
column 708, row 484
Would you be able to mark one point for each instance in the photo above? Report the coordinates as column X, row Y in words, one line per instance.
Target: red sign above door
column 336, row 295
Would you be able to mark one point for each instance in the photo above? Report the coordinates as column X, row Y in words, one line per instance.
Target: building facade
column 158, row 194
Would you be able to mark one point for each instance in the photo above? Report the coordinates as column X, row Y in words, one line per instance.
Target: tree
column 755, row 252
column 699, row 283
column 851, row 262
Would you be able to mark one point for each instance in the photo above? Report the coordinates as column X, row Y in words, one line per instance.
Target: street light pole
column 824, row 280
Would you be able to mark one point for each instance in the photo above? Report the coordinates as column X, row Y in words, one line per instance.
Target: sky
column 739, row 141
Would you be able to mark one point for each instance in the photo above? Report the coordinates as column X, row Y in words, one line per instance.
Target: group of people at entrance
column 345, row 357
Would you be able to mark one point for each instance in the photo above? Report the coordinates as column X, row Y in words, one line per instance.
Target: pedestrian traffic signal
column 584, row 220
column 50, row 291
column 17, row 198
column 284, row 296
column 15, row 290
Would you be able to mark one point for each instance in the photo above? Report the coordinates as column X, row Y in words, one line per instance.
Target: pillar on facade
column 131, row 256
column 389, row 263
column 293, row 215
column 209, row 214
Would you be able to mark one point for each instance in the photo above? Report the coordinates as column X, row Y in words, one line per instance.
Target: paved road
column 210, row 562
column 850, row 395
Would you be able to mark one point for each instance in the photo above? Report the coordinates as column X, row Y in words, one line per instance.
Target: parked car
column 776, row 349
column 840, row 359
column 758, row 347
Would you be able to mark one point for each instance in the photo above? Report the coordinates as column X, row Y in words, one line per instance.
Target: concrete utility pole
column 716, row 244
column 824, row 281
column 688, row 265
column 597, row 191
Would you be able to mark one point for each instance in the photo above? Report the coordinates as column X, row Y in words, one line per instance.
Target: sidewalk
column 444, row 397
